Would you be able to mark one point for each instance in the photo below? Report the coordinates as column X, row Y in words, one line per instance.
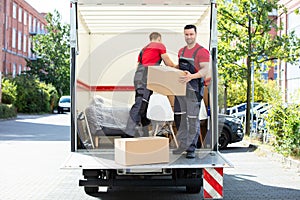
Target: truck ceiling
column 111, row 16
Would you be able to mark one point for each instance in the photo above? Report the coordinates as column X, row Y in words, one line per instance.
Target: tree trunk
column 248, row 77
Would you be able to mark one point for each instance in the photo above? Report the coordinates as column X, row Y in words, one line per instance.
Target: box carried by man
column 165, row 80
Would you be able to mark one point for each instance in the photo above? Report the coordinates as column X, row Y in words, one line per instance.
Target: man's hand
column 186, row 78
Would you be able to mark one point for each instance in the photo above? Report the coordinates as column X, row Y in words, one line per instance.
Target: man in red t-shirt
column 150, row 55
column 194, row 60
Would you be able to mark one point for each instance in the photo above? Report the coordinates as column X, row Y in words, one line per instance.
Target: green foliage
column 283, row 121
column 53, row 96
column 53, row 52
column 244, row 41
column 33, row 96
column 263, row 92
column 8, row 91
column 7, row 111
column 270, row 92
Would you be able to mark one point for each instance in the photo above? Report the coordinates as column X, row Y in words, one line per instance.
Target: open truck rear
column 106, row 37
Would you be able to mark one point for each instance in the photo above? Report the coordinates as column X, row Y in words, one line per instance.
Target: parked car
column 230, row 130
column 64, row 104
column 230, row 127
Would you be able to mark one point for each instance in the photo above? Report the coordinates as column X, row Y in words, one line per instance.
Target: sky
column 63, row 7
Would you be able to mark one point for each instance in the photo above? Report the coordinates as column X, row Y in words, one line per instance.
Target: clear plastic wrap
column 101, row 113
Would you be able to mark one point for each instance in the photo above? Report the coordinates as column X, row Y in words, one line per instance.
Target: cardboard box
column 143, row 150
column 165, row 80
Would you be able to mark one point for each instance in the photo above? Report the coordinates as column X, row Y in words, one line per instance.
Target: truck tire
column 224, row 138
column 192, row 189
column 92, row 191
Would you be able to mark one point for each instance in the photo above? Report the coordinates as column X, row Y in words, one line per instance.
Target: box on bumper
column 143, row 150
column 165, row 80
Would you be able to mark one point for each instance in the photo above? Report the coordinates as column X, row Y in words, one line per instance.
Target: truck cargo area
column 106, row 38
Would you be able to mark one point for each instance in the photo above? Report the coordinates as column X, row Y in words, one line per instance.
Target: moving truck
column 106, row 37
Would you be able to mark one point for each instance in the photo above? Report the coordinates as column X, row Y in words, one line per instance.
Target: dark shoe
column 179, row 150
column 190, row 154
column 127, row 136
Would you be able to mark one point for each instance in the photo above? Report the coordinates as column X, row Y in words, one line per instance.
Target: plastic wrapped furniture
column 105, row 119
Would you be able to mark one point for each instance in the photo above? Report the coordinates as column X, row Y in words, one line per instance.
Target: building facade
column 289, row 75
column 18, row 21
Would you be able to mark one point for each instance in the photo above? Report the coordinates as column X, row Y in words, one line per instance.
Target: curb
column 287, row 162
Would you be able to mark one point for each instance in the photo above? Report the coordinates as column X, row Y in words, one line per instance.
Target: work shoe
column 179, row 150
column 190, row 154
column 127, row 136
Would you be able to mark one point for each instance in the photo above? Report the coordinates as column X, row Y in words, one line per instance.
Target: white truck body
column 106, row 37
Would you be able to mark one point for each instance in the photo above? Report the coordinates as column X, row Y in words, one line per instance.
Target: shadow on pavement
column 236, row 187
column 35, row 128
column 239, row 149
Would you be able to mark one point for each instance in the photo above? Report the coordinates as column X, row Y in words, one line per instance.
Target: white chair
column 160, row 110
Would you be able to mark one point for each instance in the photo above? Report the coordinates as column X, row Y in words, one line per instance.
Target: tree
column 246, row 41
column 53, row 52
column 32, row 95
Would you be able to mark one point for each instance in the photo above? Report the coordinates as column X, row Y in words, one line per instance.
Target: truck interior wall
column 111, row 59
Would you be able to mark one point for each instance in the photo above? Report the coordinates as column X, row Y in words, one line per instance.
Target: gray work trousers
column 186, row 112
column 137, row 116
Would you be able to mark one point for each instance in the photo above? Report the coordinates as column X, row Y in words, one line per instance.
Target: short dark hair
column 190, row 26
column 154, row 36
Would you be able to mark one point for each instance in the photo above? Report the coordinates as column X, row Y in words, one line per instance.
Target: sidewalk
column 265, row 151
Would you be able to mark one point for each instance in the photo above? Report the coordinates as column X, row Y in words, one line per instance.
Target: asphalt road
column 34, row 147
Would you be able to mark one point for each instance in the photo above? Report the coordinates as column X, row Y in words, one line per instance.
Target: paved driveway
column 33, row 149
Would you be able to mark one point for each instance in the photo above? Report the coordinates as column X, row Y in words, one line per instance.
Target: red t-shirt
column 202, row 55
column 152, row 53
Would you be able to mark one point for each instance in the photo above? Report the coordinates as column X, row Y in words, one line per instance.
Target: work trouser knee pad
column 180, row 121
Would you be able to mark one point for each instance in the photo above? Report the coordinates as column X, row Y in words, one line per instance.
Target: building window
column 20, row 69
column 34, row 25
column 39, row 27
column 24, row 43
column 14, row 35
column 20, row 14
column 30, row 23
column 29, row 48
column 25, row 18
column 14, row 70
column 25, row 69
column 15, row 11
column 6, row 22
column 20, row 40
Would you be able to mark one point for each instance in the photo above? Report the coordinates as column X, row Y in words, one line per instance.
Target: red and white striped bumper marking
column 213, row 183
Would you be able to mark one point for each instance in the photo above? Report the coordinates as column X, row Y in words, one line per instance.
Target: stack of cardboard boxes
column 151, row 150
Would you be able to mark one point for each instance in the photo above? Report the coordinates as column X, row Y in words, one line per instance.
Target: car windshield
column 65, row 100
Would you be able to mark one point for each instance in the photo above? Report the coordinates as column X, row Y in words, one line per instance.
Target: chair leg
column 88, row 129
column 174, row 137
column 96, row 141
column 201, row 140
column 156, row 129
